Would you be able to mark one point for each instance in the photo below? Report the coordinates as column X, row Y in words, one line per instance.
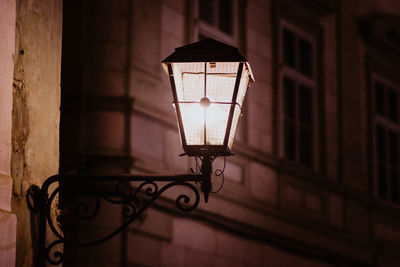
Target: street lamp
column 209, row 80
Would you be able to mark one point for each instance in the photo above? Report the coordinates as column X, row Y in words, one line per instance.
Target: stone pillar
column 36, row 103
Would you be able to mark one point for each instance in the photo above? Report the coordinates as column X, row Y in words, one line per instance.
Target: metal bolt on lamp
column 209, row 80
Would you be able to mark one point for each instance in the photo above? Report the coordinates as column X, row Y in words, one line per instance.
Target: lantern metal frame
column 207, row 51
column 135, row 193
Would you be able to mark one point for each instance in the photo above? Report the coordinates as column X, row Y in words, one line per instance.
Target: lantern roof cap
column 207, row 50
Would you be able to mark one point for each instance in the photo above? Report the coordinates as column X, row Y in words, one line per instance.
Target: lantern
column 209, row 80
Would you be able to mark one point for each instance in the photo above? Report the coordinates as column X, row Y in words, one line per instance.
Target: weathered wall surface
column 36, row 98
column 317, row 211
column 7, row 219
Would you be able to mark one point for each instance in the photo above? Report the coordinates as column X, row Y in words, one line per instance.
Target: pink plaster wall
column 8, row 222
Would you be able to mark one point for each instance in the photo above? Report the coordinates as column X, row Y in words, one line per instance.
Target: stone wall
column 7, row 218
column 36, row 103
column 270, row 212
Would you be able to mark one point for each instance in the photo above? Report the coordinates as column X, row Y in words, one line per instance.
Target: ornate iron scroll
column 134, row 201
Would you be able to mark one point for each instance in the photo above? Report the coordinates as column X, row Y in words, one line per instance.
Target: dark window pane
column 306, row 147
column 382, row 184
column 225, row 16
column 394, row 185
column 306, row 107
column 379, row 98
column 290, row 140
column 380, row 142
column 288, row 48
column 290, row 98
column 206, row 10
column 305, row 64
column 392, row 105
column 394, row 148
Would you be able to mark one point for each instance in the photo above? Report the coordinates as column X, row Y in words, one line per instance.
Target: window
column 217, row 19
column 386, row 134
column 298, row 96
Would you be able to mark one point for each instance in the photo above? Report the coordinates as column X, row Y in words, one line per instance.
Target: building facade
column 315, row 176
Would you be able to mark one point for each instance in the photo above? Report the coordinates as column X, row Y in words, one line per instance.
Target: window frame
column 213, row 31
column 388, row 125
column 299, row 79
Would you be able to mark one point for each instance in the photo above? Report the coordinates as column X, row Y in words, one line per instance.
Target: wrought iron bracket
column 135, row 199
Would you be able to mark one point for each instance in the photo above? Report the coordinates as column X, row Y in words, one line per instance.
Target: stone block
column 313, row 202
column 169, row 43
column 264, row 183
column 329, row 24
column 354, row 214
column 257, row 14
column 103, row 7
column 259, row 46
column 274, row 257
column 266, row 142
column 330, row 79
column 146, row 35
column 233, row 171
column 173, row 148
column 330, row 58
column 335, row 210
column 108, row 26
column 254, row 138
column 178, row 5
column 261, row 93
column 5, row 192
column 194, row 235
column 293, row 195
column 257, row 117
column 172, row 22
column 198, row 259
column 143, row 250
column 8, row 234
column 387, row 232
column 155, row 223
column 107, row 82
column 108, row 55
column 261, row 64
column 239, row 249
column 104, row 254
column 109, row 216
column 105, row 131
column 172, row 256
column 264, row 4
column 7, row 37
column 332, row 169
column 147, row 137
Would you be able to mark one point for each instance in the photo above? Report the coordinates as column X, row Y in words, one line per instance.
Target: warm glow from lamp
column 205, row 103
column 209, row 80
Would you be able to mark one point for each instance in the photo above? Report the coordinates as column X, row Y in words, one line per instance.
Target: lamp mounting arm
column 135, row 193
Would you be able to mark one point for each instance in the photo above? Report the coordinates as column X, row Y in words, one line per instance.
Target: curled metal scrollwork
column 134, row 201
column 58, row 256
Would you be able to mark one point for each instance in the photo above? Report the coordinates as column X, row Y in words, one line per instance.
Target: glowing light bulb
column 205, row 102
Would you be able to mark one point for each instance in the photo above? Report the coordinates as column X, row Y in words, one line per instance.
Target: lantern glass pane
column 217, row 119
column 206, row 125
column 193, row 123
column 235, row 120
column 244, row 82
column 221, row 77
column 189, row 81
